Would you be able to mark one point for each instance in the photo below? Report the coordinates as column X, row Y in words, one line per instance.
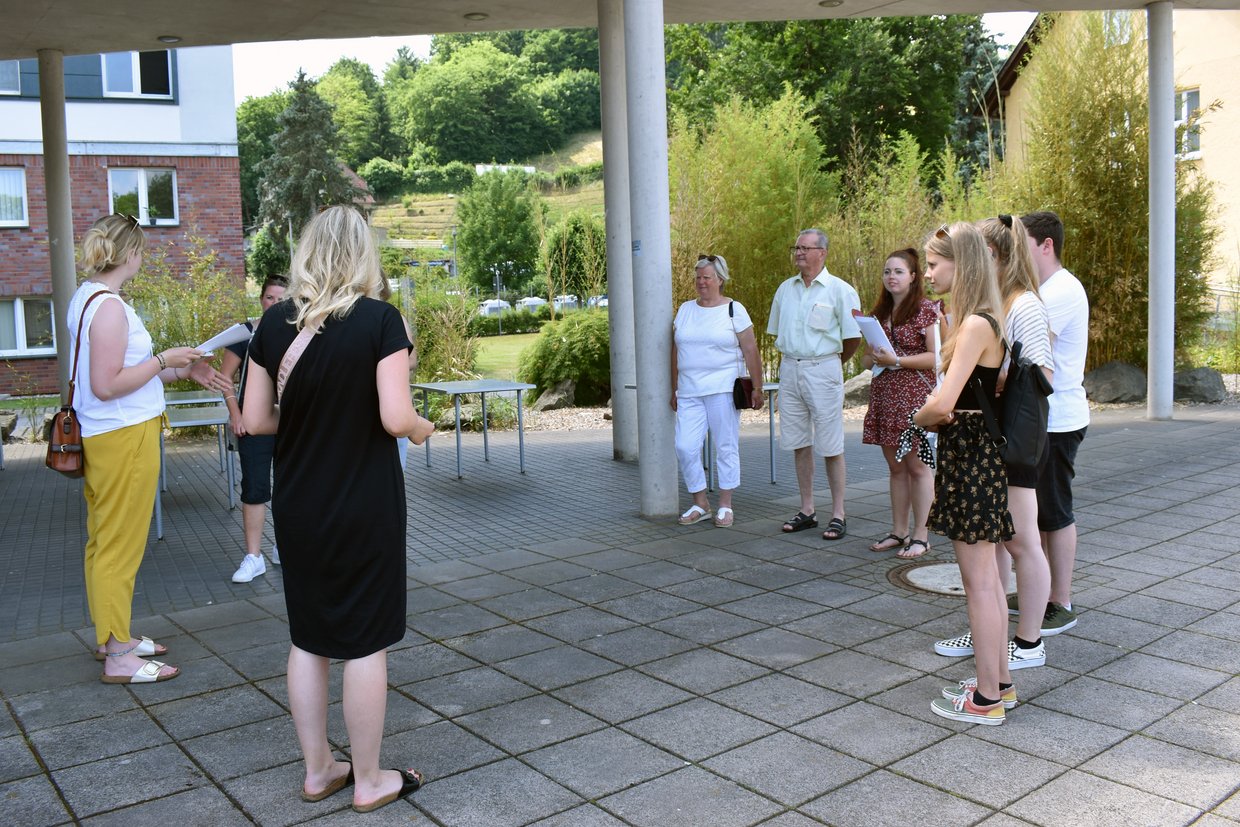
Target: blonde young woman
column 119, row 399
column 970, row 502
column 1027, row 322
column 339, row 500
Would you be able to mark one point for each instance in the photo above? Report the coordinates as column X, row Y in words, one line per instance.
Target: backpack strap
column 988, row 413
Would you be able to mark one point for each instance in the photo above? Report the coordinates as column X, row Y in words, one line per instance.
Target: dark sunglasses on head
column 131, row 219
column 707, row 257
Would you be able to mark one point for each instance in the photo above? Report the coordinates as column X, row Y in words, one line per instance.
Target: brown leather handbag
column 64, row 435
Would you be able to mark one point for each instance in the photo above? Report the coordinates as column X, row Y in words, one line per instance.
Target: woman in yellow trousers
column 119, row 401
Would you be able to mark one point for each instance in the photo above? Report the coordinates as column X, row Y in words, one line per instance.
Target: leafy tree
column 303, row 172
column 976, row 138
column 569, row 101
column 474, row 106
column 256, row 125
column 401, row 67
column 499, row 217
column 357, row 109
column 382, row 176
column 1087, row 158
column 268, row 255
column 864, row 79
column 574, row 255
column 552, row 51
column 445, row 46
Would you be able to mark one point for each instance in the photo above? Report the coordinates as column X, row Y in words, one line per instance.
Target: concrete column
column 1161, row 360
column 59, row 201
column 649, row 210
column 619, row 238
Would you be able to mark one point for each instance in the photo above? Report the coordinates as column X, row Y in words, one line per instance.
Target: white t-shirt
column 708, row 356
column 1067, row 306
column 1029, row 324
column 97, row 416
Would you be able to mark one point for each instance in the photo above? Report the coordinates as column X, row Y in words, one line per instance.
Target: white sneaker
column 1019, row 658
column 252, row 566
column 275, row 555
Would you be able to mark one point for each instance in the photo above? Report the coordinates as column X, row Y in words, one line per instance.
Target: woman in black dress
column 970, row 486
column 339, row 501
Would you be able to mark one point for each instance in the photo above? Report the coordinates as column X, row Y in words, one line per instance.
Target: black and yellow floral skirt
column 970, row 484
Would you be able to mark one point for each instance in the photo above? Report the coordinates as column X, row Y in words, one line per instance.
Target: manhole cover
column 928, row 577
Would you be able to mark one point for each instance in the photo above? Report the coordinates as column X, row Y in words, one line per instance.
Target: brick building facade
column 193, row 155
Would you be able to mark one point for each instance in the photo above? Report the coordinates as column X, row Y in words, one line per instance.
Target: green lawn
column 497, row 355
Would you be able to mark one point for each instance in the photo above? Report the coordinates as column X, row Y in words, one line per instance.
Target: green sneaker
column 1057, row 619
column 1013, row 604
column 968, row 687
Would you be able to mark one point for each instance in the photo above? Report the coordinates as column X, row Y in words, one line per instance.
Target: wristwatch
column 897, row 361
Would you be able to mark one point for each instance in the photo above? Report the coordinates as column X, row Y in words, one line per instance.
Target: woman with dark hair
column 119, row 401
column 342, row 357
column 902, row 380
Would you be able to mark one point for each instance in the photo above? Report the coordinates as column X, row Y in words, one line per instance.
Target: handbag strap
column 77, row 343
column 740, row 364
column 291, row 357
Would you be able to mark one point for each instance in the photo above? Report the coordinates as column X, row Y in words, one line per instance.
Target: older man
column 812, row 320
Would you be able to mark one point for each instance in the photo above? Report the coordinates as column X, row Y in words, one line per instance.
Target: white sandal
column 695, row 514
column 146, row 648
column 149, row 672
column 724, row 516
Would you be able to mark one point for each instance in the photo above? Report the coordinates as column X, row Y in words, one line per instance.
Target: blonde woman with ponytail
column 970, row 492
column 339, row 506
column 119, row 399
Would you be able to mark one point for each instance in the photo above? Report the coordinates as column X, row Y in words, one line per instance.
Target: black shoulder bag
column 1021, row 435
column 742, row 388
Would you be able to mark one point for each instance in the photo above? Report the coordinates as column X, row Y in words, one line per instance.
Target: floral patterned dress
column 894, row 394
column 970, row 481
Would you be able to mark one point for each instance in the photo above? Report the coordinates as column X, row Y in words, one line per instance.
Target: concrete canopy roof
column 85, row 26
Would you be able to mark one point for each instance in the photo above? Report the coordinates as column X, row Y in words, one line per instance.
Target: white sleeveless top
column 97, row 416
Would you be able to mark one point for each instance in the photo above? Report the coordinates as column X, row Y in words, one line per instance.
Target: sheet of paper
column 233, row 335
column 874, row 334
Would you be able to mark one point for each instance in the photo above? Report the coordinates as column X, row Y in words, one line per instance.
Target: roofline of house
column 1010, row 70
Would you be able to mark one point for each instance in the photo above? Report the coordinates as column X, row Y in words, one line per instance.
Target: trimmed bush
column 455, row 176
column 519, row 320
column 384, row 177
column 575, row 347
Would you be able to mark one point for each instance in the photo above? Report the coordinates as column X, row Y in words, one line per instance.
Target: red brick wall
column 208, row 204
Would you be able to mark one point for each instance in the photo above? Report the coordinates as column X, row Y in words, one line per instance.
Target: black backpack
column 1021, row 436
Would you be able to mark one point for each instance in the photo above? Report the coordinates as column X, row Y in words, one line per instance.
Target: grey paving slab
column 649, row 607
column 1212, row 731
column 1161, row 676
column 853, row 673
column 602, row 762
column 16, row 759
column 505, row 794
column 560, row 666
column 706, row 626
column 529, row 723
column 528, row 604
column 469, row 691
column 426, row 661
column 1051, row 735
column 1225, row 697
column 1080, row 798
column 984, row 772
column 201, row 807
column 439, row 750
column 621, row 696
column 95, row 739
column 875, row 735
column 697, row 729
column 841, row 628
column 780, row 699
column 637, row 645
column 776, row 648
column 772, row 608
column 580, row 624
column 215, row 711
column 1166, row 770
column 403, row 713
column 788, row 768
column 76, row 702
column 703, row 670
column 689, row 797
column 889, row 799
column 501, row 643
column 33, row 800
column 587, row 815
column 92, row 788
column 246, row 748
column 1202, row 650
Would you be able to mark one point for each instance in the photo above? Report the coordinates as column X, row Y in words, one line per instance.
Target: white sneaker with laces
column 252, row 566
column 275, row 555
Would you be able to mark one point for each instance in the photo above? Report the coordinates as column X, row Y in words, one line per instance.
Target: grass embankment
column 498, row 355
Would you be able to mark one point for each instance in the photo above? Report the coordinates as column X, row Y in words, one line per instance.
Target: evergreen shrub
column 574, row 347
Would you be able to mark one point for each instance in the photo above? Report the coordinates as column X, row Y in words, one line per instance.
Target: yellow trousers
column 122, row 470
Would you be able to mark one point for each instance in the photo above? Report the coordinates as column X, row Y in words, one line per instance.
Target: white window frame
column 25, row 219
column 1188, row 118
column 135, row 76
column 143, row 215
column 19, row 321
column 16, row 65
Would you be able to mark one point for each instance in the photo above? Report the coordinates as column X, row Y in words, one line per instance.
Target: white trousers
column 696, row 414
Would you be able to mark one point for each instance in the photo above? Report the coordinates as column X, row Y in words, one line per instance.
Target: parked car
column 493, row 307
column 531, row 303
column 597, row 301
column 566, row 303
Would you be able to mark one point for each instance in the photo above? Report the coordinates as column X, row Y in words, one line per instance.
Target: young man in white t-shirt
column 1068, row 309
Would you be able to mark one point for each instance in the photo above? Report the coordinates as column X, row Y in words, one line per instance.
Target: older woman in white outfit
column 712, row 334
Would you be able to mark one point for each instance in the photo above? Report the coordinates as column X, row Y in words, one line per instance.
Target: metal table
column 184, row 417
column 481, row 387
column 174, row 399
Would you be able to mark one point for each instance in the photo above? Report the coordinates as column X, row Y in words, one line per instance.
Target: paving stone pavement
column 570, row 664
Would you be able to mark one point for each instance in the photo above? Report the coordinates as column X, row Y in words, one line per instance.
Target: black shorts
column 1055, row 483
column 256, row 452
column 1028, row 477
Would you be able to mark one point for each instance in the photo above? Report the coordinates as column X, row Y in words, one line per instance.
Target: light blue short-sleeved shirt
column 813, row 322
